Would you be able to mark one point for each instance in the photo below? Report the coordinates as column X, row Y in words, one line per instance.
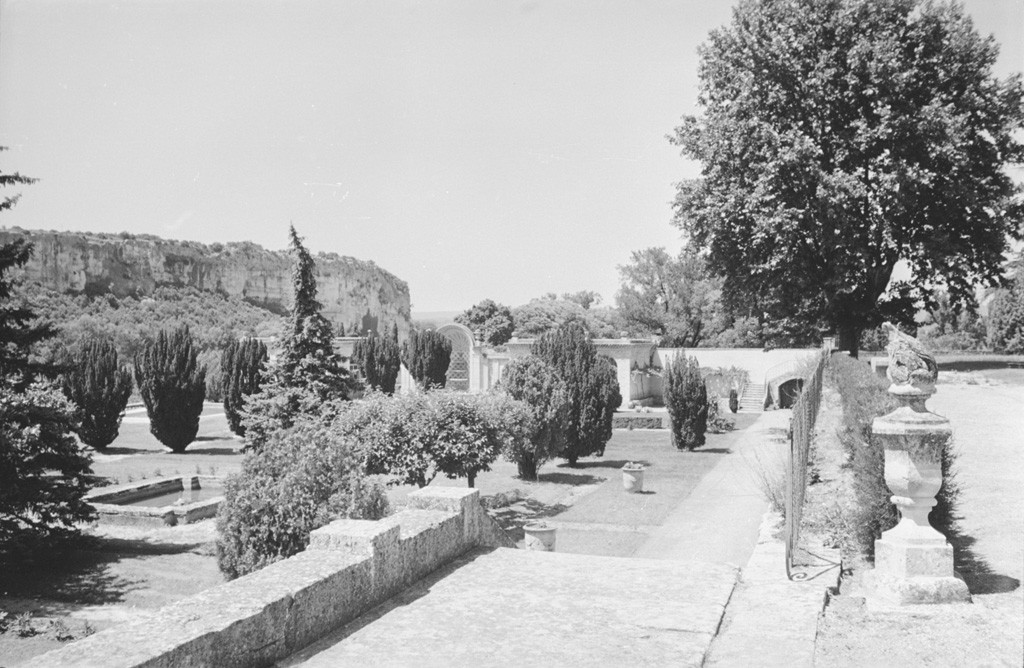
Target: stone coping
column 349, row 567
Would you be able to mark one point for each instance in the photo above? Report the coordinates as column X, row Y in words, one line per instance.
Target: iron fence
column 805, row 414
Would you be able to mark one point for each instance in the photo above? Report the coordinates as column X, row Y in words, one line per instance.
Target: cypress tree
column 242, row 364
column 307, row 372
column 173, row 386
column 378, row 360
column 686, row 398
column 592, row 398
column 97, row 384
column 426, row 355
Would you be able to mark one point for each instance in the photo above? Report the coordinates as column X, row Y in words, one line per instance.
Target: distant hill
column 355, row 293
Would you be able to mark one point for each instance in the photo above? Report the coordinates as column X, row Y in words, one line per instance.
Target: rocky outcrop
column 355, row 293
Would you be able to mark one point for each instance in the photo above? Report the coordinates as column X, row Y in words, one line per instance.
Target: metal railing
column 805, row 414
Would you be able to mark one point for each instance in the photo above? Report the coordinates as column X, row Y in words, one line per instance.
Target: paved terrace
column 662, row 607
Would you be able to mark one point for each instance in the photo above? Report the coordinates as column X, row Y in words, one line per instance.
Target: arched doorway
column 789, row 392
column 461, row 338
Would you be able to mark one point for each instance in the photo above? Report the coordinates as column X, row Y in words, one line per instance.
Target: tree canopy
column 839, row 138
column 492, row 320
column 673, row 297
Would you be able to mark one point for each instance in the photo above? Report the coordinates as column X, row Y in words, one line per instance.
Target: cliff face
column 354, row 293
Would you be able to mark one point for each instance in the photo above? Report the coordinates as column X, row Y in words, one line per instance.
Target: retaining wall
column 349, row 567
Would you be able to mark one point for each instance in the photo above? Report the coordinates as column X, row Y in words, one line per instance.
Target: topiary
column 308, row 476
column 97, row 384
column 426, row 355
column 241, row 365
column 589, row 386
column 378, row 359
column 535, row 382
column 686, row 399
column 173, row 386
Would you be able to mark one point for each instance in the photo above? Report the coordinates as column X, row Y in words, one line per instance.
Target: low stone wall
column 111, row 502
column 639, row 421
column 349, row 567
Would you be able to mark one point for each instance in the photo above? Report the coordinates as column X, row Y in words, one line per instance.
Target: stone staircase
column 752, row 400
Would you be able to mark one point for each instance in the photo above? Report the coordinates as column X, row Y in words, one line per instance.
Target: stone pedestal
column 913, row 561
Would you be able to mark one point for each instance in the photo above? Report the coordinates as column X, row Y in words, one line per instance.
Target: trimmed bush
column 241, row 365
column 717, row 423
column 378, row 360
column 426, row 355
column 591, row 386
column 414, row 437
column 534, row 382
column 308, row 476
column 172, row 385
column 734, row 401
column 687, row 401
column 97, row 384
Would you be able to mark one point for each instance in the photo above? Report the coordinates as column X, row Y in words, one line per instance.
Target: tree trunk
column 849, row 337
column 472, row 479
column 527, row 468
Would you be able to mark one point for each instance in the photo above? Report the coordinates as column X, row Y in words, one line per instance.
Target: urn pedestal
column 913, row 561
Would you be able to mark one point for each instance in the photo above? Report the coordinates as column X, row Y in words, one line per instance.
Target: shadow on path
column 974, row 569
column 570, row 479
column 605, row 464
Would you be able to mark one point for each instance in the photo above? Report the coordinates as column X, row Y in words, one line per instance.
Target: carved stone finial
column 912, row 369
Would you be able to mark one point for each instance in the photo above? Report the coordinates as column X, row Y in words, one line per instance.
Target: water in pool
column 170, row 498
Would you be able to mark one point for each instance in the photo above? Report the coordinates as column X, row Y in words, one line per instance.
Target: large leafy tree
column 839, row 138
column 492, row 320
column 43, row 473
column 673, row 297
column 307, row 373
column 1006, row 313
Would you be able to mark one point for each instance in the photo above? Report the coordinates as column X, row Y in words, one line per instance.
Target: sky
column 474, row 148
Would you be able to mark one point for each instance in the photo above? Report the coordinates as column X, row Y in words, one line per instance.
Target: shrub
column 97, row 384
column 172, row 385
column 717, row 423
column 308, row 476
column 687, row 401
column 413, row 437
column 378, row 360
column 864, row 397
column 426, row 355
column 591, row 387
column 241, row 367
column 734, row 401
column 534, row 382
column 471, row 430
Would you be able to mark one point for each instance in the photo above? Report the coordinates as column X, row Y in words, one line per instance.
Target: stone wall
column 349, row 567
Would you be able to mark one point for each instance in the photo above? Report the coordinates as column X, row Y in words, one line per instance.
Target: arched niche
column 461, row 339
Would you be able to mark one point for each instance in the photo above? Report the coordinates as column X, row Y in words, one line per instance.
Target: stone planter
column 913, row 561
column 540, row 537
column 633, row 478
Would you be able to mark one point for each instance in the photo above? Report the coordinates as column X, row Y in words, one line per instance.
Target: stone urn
column 913, row 561
column 539, row 537
column 633, row 477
